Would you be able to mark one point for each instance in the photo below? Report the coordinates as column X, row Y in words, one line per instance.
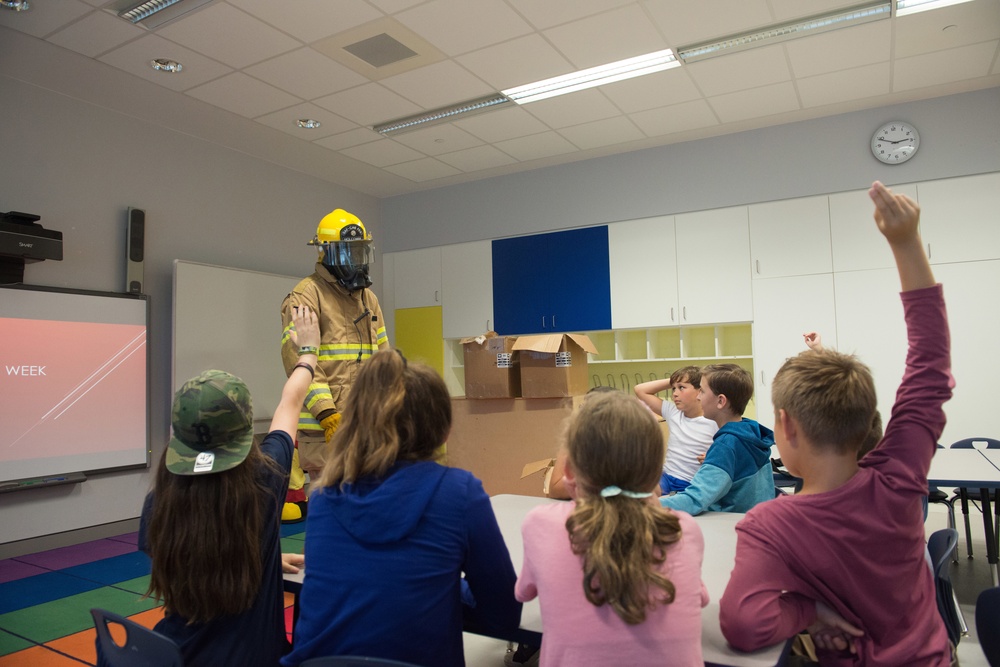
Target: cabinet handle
column 757, row 264
column 684, row 312
column 553, row 321
column 671, row 313
column 928, row 251
column 543, row 321
column 488, row 325
column 435, row 296
column 762, row 383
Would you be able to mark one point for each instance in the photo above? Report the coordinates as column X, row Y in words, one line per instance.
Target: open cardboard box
column 491, row 367
column 554, row 365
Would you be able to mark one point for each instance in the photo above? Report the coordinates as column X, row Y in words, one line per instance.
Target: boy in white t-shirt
column 690, row 432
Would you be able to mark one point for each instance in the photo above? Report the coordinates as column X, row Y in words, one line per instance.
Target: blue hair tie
column 612, row 490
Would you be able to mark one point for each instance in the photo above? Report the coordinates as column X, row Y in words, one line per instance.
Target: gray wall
column 79, row 167
column 959, row 135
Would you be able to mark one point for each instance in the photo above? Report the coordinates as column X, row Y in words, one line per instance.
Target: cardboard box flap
column 480, row 339
column 550, row 343
column 536, row 466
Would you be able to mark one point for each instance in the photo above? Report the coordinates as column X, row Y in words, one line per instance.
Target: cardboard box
column 491, row 367
column 554, row 365
column 544, row 466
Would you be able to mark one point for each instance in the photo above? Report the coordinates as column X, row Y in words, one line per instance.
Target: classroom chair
column 936, row 495
column 965, row 494
column 353, row 661
column 142, row 648
column 939, row 546
column 988, row 624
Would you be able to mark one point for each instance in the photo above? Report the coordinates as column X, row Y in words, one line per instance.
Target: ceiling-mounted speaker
column 135, row 244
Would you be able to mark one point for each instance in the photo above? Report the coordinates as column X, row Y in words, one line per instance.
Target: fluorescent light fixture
column 904, row 7
column 785, row 31
column 595, row 76
column 153, row 13
column 442, row 115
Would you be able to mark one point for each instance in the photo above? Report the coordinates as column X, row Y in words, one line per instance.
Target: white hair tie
column 612, row 490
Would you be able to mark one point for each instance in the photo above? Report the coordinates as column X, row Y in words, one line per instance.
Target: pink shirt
column 575, row 632
column 859, row 548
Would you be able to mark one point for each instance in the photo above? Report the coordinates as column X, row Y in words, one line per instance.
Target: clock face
column 895, row 142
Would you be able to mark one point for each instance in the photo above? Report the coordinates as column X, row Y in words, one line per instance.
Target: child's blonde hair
column 396, row 411
column 831, row 396
column 612, row 442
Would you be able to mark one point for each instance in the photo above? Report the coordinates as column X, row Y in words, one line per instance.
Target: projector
column 21, row 238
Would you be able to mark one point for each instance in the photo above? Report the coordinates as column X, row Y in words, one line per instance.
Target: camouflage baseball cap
column 212, row 419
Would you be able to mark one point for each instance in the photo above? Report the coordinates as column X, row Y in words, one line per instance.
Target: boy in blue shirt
column 736, row 473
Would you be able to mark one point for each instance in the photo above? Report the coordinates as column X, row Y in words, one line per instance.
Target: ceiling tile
column 393, row 6
column 606, row 38
column 850, row 84
column 438, row 85
column 755, row 103
column 337, row 142
column 841, row 49
column 285, row 120
column 306, row 73
column 580, row 107
column 134, row 58
column 741, row 70
column 459, row 26
column 229, row 35
column 547, row 14
column 369, row 104
column 503, row 124
column 675, row 118
column 438, row 139
column 605, row 132
column 517, row 62
column 651, row 91
column 474, row 159
column 382, row 153
column 965, row 62
column 684, row 22
column 96, row 33
column 243, row 95
column 44, row 17
column 536, row 146
column 950, row 27
column 426, row 169
column 311, row 19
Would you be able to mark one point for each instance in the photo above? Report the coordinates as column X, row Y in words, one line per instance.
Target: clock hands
column 889, row 141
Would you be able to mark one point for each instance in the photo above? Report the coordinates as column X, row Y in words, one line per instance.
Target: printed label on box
column 564, row 359
column 505, row 360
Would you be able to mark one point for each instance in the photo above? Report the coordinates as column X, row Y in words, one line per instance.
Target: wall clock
column 895, row 142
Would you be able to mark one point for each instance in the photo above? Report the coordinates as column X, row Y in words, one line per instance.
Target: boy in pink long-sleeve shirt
column 845, row 556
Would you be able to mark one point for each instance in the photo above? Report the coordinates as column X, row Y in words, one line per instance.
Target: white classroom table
column 719, row 531
column 972, row 469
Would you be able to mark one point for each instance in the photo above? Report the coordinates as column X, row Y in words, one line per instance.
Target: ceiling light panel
column 904, row 7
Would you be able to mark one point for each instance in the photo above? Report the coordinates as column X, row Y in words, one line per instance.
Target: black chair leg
column 965, row 514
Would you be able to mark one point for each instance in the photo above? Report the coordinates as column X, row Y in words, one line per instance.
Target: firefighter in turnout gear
column 351, row 329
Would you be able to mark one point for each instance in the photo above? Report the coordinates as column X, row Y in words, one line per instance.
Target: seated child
column 690, row 431
column 210, row 525
column 845, row 556
column 736, row 472
column 390, row 532
column 618, row 577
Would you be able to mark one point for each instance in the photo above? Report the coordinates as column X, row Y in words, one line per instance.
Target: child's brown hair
column 689, row 374
column 732, row 381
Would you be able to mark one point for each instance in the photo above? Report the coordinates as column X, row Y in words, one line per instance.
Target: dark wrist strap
column 312, row 371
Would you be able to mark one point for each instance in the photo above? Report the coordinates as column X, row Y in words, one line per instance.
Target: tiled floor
column 45, row 598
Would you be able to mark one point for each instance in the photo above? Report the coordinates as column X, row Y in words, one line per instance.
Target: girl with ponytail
column 618, row 577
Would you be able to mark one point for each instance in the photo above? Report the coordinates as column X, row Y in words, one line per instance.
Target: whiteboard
column 230, row 320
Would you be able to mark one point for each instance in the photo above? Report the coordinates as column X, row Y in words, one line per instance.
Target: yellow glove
column 330, row 425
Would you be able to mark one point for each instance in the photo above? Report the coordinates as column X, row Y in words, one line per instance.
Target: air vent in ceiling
column 380, row 50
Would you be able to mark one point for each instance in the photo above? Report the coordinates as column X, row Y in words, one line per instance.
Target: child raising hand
column 640, row 564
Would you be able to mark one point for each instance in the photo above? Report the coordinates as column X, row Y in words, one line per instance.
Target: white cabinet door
column 783, row 310
column 417, row 278
column 857, row 242
column 790, row 237
column 870, row 325
column 713, row 266
column 387, row 297
column 974, row 323
column 643, row 273
column 960, row 218
column 466, row 289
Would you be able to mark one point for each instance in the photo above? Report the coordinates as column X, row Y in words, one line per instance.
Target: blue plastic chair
column 142, row 648
column 965, row 495
column 939, row 546
column 988, row 624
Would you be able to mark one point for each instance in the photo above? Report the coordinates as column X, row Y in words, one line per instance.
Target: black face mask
column 351, row 279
